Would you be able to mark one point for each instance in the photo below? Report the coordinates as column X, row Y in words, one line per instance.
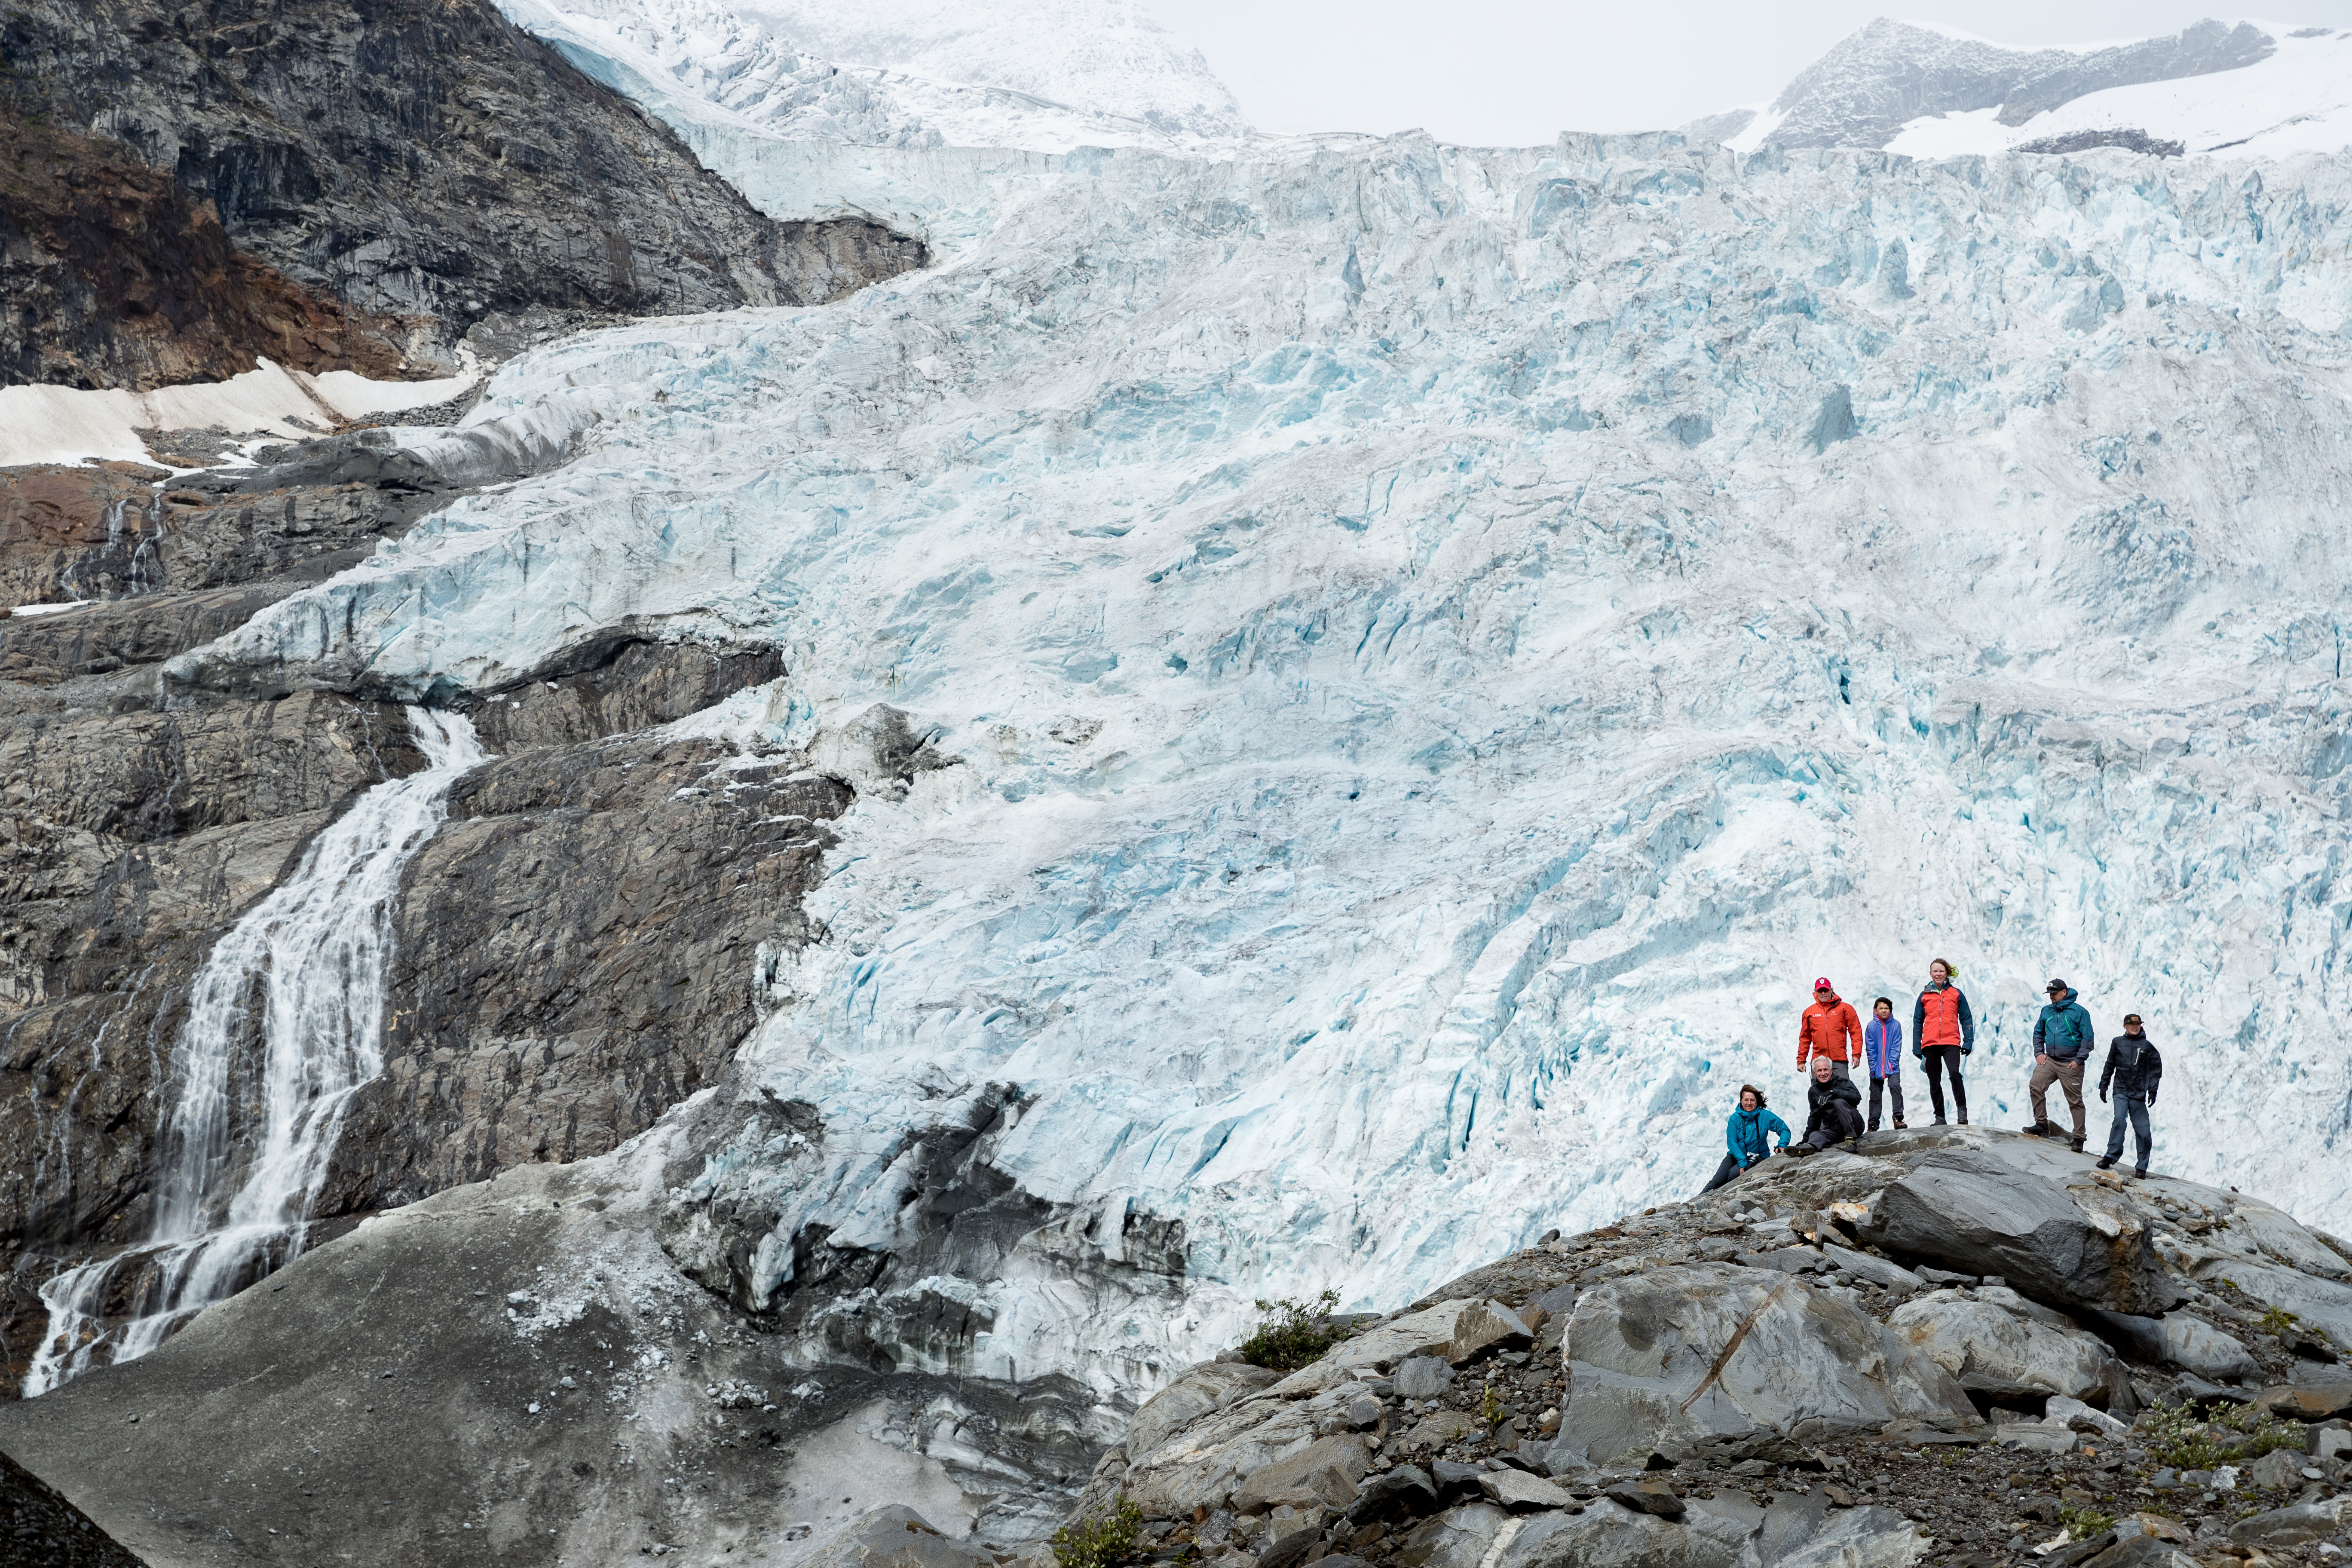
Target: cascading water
column 306, row 965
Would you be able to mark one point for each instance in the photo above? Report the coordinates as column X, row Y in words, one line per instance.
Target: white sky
column 1513, row 72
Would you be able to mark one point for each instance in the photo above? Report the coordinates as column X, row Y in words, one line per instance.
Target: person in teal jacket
column 1748, row 1133
column 2062, row 1040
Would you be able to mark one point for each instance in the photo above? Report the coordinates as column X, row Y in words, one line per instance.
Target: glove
column 1966, row 1049
column 2103, row 1097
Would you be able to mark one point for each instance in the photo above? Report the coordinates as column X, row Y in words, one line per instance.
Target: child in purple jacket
column 1882, row 1052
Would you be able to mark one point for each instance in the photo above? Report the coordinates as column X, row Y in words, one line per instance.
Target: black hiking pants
column 1942, row 1059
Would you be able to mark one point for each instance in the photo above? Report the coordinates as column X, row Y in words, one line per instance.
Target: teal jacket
column 2063, row 1032
column 1747, row 1131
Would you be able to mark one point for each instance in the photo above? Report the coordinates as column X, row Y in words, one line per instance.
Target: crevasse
column 1443, row 646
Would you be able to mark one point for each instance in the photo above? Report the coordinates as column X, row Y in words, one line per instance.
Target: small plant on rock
column 2277, row 1321
column 2083, row 1523
column 1294, row 1333
column 1103, row 1541
column 1490, row 1408
column 2178, row 1438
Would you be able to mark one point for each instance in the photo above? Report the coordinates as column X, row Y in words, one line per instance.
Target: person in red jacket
column 1943, row 1030
column 1830, row 1029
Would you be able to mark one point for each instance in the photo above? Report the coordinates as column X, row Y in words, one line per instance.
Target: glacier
column 1427, row 651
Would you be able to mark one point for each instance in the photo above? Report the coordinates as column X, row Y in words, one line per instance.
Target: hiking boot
column 1939, row 1122
column 2107, row 1162
column 2078, row 1143
column 1853, row 1145
column 1900, row 1125
column 1797, row 1151
column 2140, row 1174
column 1964, row 1119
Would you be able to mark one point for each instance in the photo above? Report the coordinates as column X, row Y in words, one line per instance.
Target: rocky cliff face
column 574, row 955
column 339, row 185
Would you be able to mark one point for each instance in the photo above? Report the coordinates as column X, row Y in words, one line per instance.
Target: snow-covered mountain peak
column 2252, row 87
column 1107, row 57
column 1043, row 75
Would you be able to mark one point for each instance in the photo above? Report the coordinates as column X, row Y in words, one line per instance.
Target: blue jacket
column 2063, row 1032
column 1881, row 1046
column 1748, row 1130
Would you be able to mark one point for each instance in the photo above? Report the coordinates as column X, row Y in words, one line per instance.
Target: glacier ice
column 1442, row 645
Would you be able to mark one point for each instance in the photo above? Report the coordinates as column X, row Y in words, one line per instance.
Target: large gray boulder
column 892, row 1537
column 2009, row 1349
column 1675, row 1355
column 1795, row 1532
column 1973, row 1211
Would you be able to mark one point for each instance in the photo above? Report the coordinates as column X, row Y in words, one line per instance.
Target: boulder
column 1290, row 1549
column 1324, row 1472
column 2195, row 1345
column 2142, row 1552
column 1458, row 1538
column 1428, row 1332
column 1423, row 1377
column 1974, row 1211
column 1795, row 1532
column 1516, row 1491
column 1436, row 1432
column 2036, row 1437
column 2298, row 1526
column 1679, row 1354
column 893, row 1537
column 1210, row 1386
column 2276, row 1471
column 1651, row 1500
column 2310, row 1396
column 2008, row 1353
column 1486, row 1327
column 1405, row 1492
column 2319, row 1303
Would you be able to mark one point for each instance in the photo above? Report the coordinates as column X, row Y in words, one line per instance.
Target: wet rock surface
column 576, row 947
column 514, row 1370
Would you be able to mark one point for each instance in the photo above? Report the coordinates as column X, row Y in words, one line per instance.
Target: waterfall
column 307, row 966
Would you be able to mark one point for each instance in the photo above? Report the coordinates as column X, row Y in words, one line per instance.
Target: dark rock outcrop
column 355, row 182
column 575, row 956
column 115, row 276
column 1977, row 1210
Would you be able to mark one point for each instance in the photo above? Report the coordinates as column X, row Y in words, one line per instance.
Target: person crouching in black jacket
column 2134, row 1070
column 1836, row 1116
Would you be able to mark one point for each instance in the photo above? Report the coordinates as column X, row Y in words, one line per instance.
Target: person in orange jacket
column 1830, row 1029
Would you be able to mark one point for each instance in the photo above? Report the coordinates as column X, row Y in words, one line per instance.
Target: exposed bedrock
column 575, row 953
column 514, row 1368
column 355, row 183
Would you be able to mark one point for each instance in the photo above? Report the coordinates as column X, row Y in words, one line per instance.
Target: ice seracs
column 1431, row 651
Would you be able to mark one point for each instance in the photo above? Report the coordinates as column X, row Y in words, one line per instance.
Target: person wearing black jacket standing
column 2134, row 1070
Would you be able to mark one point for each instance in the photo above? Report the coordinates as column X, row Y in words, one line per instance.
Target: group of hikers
column 1832, row 1038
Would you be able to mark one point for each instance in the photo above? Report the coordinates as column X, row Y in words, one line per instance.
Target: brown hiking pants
column 2067, row 1075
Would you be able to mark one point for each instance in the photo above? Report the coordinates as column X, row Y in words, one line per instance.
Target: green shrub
column 2083, row 1523
column 1294, row 1333
column 2276, row 1320
column 2177, row 1436
column 1104, row 1541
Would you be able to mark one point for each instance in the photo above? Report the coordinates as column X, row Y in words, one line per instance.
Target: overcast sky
column 1512, row 72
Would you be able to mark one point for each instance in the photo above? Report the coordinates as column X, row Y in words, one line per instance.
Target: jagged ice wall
column 1442, row 645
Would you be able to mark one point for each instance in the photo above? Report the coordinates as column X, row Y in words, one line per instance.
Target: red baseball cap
column 1824, row 984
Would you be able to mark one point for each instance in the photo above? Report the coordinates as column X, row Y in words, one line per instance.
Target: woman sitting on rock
column 1836, row 1117
column 1748, row 1133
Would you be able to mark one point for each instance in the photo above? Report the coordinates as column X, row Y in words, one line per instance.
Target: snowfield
column 1441, row 647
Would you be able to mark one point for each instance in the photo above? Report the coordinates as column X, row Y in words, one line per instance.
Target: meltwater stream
column 306, row 965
